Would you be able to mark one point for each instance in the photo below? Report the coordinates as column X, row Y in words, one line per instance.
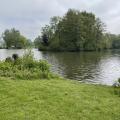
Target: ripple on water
column 90, row 67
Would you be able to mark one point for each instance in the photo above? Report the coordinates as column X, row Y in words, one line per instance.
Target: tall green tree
column 13, row 39
column 75, row 31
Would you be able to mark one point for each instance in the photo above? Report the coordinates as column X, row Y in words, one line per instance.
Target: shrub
column 25, row 67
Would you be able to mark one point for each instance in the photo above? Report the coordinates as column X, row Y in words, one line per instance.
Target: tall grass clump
column 25, row 67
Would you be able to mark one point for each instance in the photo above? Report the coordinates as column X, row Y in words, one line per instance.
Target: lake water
column 90, row 67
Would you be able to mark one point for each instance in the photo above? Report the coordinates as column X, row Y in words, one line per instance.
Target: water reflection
column 93, row 67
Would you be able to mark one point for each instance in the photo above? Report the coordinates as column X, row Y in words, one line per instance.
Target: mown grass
column 57, row 99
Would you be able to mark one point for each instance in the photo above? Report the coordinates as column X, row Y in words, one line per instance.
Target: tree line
column 76, row 31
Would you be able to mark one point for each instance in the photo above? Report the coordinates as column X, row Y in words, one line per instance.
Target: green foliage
column 29, row 44
column 25, row 68
column 115, row 41
column 54, row 45
column 13, row 39
column 2, row 44
column 119, row 80
column 75, row 31
column 45, row 40
column 112, row 41
column 37, row 41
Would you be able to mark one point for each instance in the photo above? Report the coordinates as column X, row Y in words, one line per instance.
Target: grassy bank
column 25, row 67
column 29, row 91
column 57, row 100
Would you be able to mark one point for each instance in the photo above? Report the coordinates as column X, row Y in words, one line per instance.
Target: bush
column 25, row 67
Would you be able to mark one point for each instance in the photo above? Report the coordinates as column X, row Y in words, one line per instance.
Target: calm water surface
column 90, row 67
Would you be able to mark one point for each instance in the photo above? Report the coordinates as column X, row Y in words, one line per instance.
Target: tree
column 2, row 43
column 115, row 41
column 47, row 31
column 45, row 39
column 74, row 31
column 54, row 21
column 13, row 39
column 37, row 41
column 112, row 41
column 29, row 43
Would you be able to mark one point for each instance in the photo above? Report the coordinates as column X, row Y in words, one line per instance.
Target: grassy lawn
column 57, row 100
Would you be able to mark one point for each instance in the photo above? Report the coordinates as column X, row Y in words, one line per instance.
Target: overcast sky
column 30, row 15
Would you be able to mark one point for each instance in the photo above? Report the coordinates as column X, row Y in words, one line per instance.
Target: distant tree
column 2, row 43
column 115, row 41
column 29, row 43
column 112, row 41
column 47, row 31
column 45, row 39
column 75, row 31
column 37, row 41
column 54, row 21
column 13, row 39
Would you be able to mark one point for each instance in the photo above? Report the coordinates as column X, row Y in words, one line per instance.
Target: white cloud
column 30, row 15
